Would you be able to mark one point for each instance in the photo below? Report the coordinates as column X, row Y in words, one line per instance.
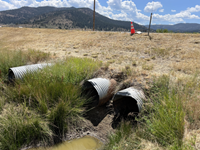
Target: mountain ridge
column 64, row 18
column 180, row 27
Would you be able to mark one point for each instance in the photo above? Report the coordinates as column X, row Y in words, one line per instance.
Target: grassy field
column 167, row 65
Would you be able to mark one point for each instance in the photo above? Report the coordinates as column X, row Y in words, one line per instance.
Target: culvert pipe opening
column 128, row 100
column 11, row 76
column 99, row 90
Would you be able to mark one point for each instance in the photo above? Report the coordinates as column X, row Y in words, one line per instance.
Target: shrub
column 163, row 31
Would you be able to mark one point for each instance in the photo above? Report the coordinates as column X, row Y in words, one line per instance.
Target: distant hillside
column 22, row 15
column 181, row 27
column 63, row 18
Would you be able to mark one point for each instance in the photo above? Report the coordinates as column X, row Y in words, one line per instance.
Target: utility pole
column 94, row 16
column 150, row 24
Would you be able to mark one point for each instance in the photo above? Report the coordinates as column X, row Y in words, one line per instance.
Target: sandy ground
column 170, row 53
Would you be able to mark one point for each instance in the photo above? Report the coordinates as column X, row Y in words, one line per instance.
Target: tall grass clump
column 2, row 102
column 21, row 127
column 190, row 97
column 55, row 82
column 165, row 120
column 10, row 59
column 123, row 138
column 54, row 93
column 35, row 56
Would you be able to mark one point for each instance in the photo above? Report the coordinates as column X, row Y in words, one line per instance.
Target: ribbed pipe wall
column 104, row 88
column 19, row 72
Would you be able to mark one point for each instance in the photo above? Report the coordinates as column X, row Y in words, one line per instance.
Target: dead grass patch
column 147, row 66
column 187, row 67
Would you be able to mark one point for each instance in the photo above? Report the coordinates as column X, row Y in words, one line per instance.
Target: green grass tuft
column 165, row 122
column 20, row 127
column 124, row 138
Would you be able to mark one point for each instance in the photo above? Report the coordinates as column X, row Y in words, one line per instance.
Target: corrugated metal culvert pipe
column 19, row 72
column 128, row 100
column 100, row 90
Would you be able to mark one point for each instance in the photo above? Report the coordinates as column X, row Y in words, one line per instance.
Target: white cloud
column 115, row 4
column 128, row 11
column 116, row 9
column 194, row 9
column 166, row 18
column 161, row 10
column 186, row 14
column 152, row 6
column 5, row 5
column 55, row 3
column 179, row 17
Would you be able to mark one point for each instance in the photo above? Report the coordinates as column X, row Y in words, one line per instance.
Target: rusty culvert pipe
column 128, row 100
column 19, row 72
column 100, row 90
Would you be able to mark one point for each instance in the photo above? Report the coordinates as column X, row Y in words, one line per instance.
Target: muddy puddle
column 84, row 143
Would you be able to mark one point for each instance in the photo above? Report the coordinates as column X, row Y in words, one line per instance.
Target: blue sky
column 164, row 11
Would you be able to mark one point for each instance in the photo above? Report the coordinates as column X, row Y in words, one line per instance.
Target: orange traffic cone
column 132, row 29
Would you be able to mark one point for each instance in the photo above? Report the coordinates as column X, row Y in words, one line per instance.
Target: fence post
column 94, row 16
column 150, row 24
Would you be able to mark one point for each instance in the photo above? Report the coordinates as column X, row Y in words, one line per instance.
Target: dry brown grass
column 163, row 50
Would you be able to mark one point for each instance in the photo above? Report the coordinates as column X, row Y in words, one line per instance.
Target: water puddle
column 84, row 143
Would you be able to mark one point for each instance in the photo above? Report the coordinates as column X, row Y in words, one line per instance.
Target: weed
column 111, row 61
column 127, row 71
column 134, row 63
column 146, row 66
column 106, row 66
column 153, row 57
column 76, row 47
column 160, row 52
column 34, row 56
column 165, row 123
column 147, row 59
column 94, row 56
column 7, row 61
column 85, row 54
column 2, row 102
column 20, row 126
column 123, row 138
